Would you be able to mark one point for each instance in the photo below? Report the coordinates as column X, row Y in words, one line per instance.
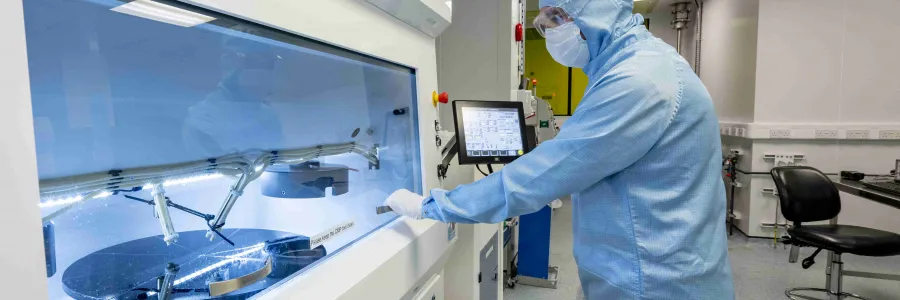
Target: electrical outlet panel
column 782, row 160
column 857, row 134
column 826, row 133
column 780, row 133
column 741, row 132
column 773, row 156
column 889, row 134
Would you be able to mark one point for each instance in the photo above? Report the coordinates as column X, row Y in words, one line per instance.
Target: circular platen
column 135, row 269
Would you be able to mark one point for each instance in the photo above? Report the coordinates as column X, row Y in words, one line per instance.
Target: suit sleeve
column 618, row 122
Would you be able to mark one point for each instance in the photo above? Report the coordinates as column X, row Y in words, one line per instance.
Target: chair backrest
column 807, row 195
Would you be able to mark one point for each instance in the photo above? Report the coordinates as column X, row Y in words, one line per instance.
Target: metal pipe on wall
column 680, row 20
column 678, row 41
column 698, row 36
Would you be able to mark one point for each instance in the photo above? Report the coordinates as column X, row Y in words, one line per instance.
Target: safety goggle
column 550, row 17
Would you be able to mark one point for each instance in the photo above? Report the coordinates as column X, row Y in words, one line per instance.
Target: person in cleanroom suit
column 641, row 156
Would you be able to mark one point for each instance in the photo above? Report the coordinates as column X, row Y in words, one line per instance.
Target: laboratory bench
column 856, row 188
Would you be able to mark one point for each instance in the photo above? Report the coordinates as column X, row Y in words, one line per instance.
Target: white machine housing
column 403, row 260
column 479, row 59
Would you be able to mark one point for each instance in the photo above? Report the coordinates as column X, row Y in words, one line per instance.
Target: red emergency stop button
column 439, row 98
column 519, row 32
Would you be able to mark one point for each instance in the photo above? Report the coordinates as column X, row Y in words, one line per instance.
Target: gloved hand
column 555, row 204
column 406, row 203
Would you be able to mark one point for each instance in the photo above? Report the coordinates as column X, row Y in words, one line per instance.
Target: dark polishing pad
column 131, row 270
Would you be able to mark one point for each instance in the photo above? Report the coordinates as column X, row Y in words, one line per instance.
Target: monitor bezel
column 463, row 157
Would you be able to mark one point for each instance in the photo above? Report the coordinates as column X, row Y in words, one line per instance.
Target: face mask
column 567, row 47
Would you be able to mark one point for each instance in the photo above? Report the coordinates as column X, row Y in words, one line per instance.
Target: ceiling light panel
column 162, row 13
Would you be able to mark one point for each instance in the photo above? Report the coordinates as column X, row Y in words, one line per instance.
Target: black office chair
column 807, row 195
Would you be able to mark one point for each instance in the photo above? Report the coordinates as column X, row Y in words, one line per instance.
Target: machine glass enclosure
column 186, row 154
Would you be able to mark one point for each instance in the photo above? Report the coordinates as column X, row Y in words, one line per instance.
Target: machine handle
column 383, row 209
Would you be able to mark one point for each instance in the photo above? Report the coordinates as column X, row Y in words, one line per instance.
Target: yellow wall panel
column 553, row 78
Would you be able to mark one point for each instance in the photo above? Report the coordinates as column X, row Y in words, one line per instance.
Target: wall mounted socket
column 779, row 133
column 782, row 160
column 774, row 156
column 826, row 133
column 741, row 132
column 889, row 134
column 858, row 134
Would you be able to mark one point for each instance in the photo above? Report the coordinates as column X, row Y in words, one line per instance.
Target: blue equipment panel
column 534, row 244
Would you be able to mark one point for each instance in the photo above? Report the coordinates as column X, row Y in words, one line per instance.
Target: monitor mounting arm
column 449, row 152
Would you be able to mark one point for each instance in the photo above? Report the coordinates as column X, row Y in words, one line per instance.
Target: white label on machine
column 328, row 234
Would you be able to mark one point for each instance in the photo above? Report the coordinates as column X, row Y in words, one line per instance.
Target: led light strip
column 186, row 180
column 75, row 199
column 70, row 191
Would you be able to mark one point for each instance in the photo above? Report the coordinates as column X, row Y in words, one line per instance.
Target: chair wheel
column 808, row 263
